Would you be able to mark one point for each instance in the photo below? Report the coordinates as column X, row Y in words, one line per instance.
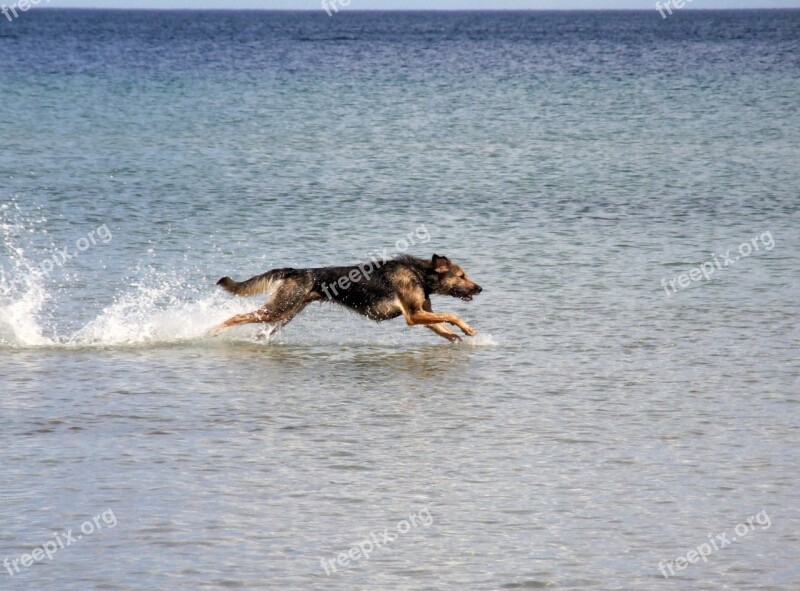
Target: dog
column 396, row 287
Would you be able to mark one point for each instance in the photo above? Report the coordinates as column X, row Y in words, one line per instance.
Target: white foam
column 156, row 315
column 21, row 302
column 146, row 315
column 157, row 308
column 22, row 292
column 480, row 340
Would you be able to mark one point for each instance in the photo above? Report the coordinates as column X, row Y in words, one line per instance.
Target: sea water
column 617, row 410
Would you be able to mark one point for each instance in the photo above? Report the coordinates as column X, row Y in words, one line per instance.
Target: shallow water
column 596, row 426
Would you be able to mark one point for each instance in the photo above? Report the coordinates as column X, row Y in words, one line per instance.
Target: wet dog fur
column 397, row 287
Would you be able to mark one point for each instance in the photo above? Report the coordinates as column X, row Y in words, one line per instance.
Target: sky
column 414, row 4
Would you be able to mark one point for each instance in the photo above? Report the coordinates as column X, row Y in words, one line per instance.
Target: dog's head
column 451, row 280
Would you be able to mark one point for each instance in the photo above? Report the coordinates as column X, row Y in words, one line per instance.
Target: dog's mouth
column 467, row 298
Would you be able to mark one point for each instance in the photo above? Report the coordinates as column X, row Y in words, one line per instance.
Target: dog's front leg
column 442, row 330
column 465, row 328
column 426, row 318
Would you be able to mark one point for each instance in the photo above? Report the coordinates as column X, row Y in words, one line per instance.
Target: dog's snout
column 478, row 288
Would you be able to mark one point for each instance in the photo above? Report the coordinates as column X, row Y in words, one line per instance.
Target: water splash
column 155, row 307
column 22, row 292
column 158, row 311
column 481, row 340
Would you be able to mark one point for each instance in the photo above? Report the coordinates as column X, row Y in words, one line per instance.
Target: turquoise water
column 573, row 164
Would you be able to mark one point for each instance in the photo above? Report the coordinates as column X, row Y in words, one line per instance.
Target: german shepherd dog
column 399, row 286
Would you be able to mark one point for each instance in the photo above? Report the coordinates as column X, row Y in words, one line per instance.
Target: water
column 570, row 162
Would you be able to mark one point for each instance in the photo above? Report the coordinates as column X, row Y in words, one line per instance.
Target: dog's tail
column 253, row 286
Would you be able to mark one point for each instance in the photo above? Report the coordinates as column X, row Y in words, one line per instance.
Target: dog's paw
column 469, row 331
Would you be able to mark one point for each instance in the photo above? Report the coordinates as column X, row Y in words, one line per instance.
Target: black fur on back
column 372, row 287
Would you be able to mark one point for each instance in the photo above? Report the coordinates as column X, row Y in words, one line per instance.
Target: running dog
column 399, row 286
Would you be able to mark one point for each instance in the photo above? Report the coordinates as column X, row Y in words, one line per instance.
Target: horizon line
column 345, row 11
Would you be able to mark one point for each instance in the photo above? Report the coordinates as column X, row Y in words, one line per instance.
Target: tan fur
column 253, row 286
column 417, row 308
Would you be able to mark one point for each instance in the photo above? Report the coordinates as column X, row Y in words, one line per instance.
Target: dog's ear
column 440, row 264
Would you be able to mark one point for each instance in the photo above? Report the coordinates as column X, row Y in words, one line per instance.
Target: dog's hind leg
column 273, row 328
column 288, row 301
column 263, row 315
column 442, row 330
